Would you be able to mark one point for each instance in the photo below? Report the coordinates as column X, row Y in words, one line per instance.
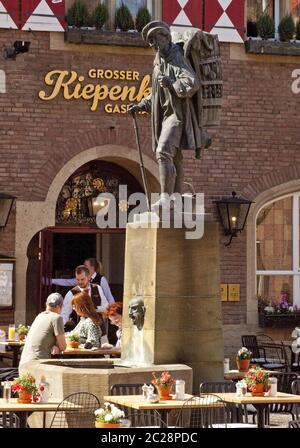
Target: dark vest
column 97, row 279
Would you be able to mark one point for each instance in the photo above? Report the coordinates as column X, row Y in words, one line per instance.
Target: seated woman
column 89, row 326
column 114, row 314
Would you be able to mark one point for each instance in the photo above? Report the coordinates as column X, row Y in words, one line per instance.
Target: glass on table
column 11, row 332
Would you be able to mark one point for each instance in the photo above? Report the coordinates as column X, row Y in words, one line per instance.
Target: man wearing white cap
column 174, row 118
column 46, row 332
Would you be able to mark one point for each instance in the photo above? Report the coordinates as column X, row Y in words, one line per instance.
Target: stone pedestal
column 179, row 281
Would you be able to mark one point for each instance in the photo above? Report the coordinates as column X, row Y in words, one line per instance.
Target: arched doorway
column 56, row 250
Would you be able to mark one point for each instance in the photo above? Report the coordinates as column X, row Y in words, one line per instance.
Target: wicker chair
column 76, row 411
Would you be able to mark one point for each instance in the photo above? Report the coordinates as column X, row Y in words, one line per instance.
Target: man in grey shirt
column 46, row 332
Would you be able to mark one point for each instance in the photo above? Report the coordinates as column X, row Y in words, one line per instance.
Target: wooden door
column 46, row 260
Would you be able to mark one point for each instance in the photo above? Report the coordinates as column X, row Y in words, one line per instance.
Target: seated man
column 46, row 332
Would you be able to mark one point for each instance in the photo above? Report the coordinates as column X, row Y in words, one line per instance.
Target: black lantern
column 6, row 203
column 233, row 212
column 95, row 204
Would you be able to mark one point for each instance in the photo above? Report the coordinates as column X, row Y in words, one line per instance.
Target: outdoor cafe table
column 15, row 347
column 88, row 353
column 163, row 407
column 22, row 410
column 260, row 403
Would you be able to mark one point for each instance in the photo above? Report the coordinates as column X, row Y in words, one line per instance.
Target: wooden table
column 85, row 353
column 24, row 409
column 163, row 407
column 260, row 403
column 15, row 347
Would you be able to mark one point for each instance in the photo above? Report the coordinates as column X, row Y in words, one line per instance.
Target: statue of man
column 137, row 312
column 174, row 121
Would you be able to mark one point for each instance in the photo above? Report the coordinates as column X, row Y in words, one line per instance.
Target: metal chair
column 275, row 357
column 284, row 384
column 8, row 419
column 146, row 420
column 294, row 424
column 210, row 413
column 76, row 411
column 131, row 414
column 296, row 391
column 250, row 341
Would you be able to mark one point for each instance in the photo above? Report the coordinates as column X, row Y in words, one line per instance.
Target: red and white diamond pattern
column 35, row 15
column 222, row 17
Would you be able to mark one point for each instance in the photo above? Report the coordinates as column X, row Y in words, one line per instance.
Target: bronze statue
column 175, row 109
column 137, row 312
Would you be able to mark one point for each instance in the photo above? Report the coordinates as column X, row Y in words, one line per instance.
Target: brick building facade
column 255, row 151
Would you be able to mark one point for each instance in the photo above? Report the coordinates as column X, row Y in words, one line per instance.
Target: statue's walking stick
column 143, row 171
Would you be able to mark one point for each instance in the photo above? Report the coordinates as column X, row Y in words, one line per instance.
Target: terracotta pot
column 164, row 392
column 25, row 396
column 22, row 337
column 243, row 364
column 73, row 344
column 258, row 390
column 107, row 425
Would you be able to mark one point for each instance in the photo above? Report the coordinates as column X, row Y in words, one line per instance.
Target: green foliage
column 100, row 15
column 124, row 19
column 142, row 18
column 73, row 337
column 23, row 330
column 78, row 15
column 265, row 26
column 287, row 28
column 298, row 30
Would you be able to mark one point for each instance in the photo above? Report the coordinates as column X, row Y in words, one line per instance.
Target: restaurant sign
column 115, row 97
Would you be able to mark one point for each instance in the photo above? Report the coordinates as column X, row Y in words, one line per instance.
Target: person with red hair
column 114, row 313
column 89, row 326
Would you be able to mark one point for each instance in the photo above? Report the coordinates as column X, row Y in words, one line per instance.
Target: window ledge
column 265, row 46
column 92, row 36
column 279, row 320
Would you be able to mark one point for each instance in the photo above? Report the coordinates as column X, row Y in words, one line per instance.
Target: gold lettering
column 108, row 108
column 135, row 76
column 122, row 75
column 108, row 74
column 129, row 76
column 59, row 83
column 92, row 73
column 88, row 92
column 116, row 109
column 128, row 93
column 101, row 92
column 144, row 90
column 115, row 93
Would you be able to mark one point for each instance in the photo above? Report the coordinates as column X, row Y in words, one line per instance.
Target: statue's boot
column 167, row 175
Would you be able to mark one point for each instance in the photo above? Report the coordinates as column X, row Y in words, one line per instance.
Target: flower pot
column 25, row 396
column 243, row 364
column 164, row 392
column 22, row 337
column 258, row 390
column 107, row 425
column 73, row 344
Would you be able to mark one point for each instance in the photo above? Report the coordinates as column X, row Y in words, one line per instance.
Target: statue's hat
column 154, row 26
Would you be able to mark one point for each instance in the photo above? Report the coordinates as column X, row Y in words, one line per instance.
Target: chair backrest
column 76, row 411
column 263, row 338
column 294, row 424
column 234, row 412
column 132, row 414
column 147, row 420
column 202, row 411
column 250, row 341
column 284, row 384
column 296, row 391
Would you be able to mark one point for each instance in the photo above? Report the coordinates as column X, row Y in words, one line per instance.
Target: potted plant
column 100, row 15
column 108, row 417
column 287, row 28
column 163, row 385
column 257, row 381
column 73, row 341
column 26, row 388
column 265, row 26
column 243, row 359
column 22, row 331
column 142, row 18
column 78, row 15
column 124, row 19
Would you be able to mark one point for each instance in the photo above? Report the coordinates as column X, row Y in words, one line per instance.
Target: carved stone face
column 137, row 312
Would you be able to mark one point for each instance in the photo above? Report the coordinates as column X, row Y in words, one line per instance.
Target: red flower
column 42, row 388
